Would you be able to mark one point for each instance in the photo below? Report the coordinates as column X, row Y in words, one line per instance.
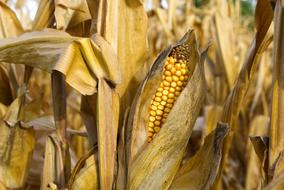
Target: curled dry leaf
column 154, row 164
column 85, row 174
column 79, row 59
column 199, row 172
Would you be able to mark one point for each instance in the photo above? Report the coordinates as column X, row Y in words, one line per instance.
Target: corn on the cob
column 174, row 79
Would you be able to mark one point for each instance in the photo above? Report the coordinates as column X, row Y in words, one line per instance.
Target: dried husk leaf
column 276, row 144
column 85, row 174
column 199, row 172
column 79, row 59
column 154, row 165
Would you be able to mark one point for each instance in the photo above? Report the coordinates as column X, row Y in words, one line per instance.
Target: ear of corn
column 174, row 79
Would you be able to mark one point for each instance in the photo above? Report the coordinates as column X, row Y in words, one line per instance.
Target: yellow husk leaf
column 199, row 172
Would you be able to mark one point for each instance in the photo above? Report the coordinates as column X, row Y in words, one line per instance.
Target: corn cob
column 174, row 79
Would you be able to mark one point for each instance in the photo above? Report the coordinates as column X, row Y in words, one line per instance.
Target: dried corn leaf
column 154, row 165
column 85, row 174
column 9, row 18
column 235, row 100
column 224, row 37
column 79, row 59
column 107, row 127
column 257, row 153
column 199, row 172
column 66, row 13
column 276, row 144
column 54, row 162
column 132, row 47
column 70, row 13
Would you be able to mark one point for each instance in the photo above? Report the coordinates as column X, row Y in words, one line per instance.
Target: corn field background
column 81, row 81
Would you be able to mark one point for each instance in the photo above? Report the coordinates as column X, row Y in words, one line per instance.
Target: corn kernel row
column 175, row 77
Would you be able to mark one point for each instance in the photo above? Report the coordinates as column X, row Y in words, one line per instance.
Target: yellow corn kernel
column 173, row 70
column 153, row 113
column 179, row 83
column 160, row 107
column 178, row 73
column 170, row 101
column 157, row 129
column 163, row 103
column 158, row 99
column 165, row 92
column 152, row 118
column 172, row 89
column 175, row 78
column 168, row 73
column 158, row 117
column 159, row 112
column 171, row 95
column 164, row 98
column 155, row 103
column 159, row 94
column 157, row 123
column 166, row 83
column 150, row 124
column 169, row 79
column 150, row 129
